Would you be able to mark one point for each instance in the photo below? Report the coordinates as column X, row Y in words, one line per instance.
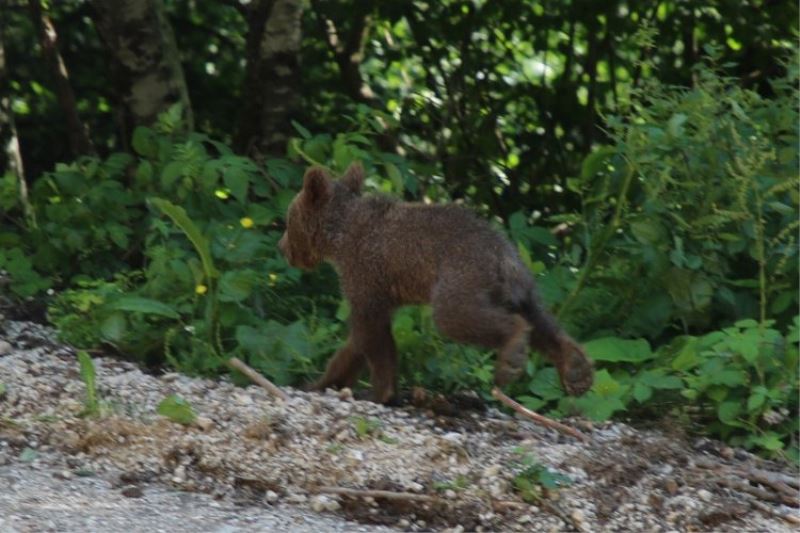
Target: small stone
column 577, row 516
column 270, row 497
column 203, row 423
column 671, row 486
column 492, row 471
column 5, row 347
column 345, row 394
column 403, row 523
column 704, row 495
column 319, row 503
column 524, row 519
column 450, row 494
column 727, row 453
column 179, row 475
column 415, row 487
column 64, row 474
column 132, row 491
column 297, row 498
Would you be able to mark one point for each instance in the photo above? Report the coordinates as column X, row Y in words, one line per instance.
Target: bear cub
column 390, row 253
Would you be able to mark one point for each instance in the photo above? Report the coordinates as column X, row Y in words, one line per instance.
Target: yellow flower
column 246, row 222
column 201, row 289
column 273, row 279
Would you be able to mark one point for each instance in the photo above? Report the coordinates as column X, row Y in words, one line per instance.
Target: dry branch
column 385, row 494
column 769, row 511
column 257, row 378
column 784, row 486
column 536, row 417
column 762, row 494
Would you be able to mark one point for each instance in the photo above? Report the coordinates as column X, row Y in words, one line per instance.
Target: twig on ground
column 257, row 378
column 536, row 417
column 769, row 511
column 762, row 494
column 778, row 482
column 385, row 494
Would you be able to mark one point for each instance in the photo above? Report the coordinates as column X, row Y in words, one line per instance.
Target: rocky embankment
column 332, row 463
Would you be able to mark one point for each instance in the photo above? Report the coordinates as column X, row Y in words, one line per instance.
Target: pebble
column 705, row 495
column 5, row 347
column 270, row 496
column 297, row 498
column 203, row 423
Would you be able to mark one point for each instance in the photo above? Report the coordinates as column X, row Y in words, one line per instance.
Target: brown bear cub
column 390, row 253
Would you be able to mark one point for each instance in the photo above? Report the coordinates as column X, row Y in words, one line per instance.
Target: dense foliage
column 651, row 188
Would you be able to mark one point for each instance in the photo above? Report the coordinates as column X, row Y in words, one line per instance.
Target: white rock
column 270, row 497
column 413, row 486
column 5, row 347
column 320, row 503
column 491, row 471
column 297, row 498
column 704, row 495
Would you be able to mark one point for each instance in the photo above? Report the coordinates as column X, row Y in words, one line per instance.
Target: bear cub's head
column 312, row 215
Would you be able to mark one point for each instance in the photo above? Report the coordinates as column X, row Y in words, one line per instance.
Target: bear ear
column 316, row 186
column 353, row 178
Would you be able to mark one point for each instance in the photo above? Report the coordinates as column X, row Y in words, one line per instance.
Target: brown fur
column 390, row 253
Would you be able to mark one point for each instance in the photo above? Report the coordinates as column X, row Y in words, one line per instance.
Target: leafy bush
column 687, row 225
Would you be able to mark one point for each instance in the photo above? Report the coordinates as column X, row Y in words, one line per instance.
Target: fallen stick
column 385, row 494
column 761, row 494
column 257, row 378
column 775, row 480
column 536, row 417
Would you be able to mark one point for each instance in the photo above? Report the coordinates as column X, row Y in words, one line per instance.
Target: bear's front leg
column 371, row 335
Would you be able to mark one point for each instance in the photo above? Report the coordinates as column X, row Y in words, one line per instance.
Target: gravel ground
column 253, row 462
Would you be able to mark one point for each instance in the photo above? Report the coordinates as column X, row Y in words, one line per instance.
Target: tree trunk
column 79, row 141
column 8, row 133
column 270, row 93
column 147, row 64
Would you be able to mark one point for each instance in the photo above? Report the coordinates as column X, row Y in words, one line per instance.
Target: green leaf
column 238, row 181
column 28, row 455
column 688, row 357
column 728, row 377
column 755, row 401
column 552, row 480
column 596, row 161
column 531, row 402
column 182, row 220
column 113, row 327
column 88, row 376
column 143, row 142
column 394, row 175
column 301, row 130
column 675, row 124
column 144, row 173
column 648, row 231
column 597, row 407
column 137, row 304
column 769, row 441
column 545, row 384
column 236, row 286
column 171, row 172
column 642, row 392
column 728, row 411
column 657, row 379
column 616, row 349
column 176, row 409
